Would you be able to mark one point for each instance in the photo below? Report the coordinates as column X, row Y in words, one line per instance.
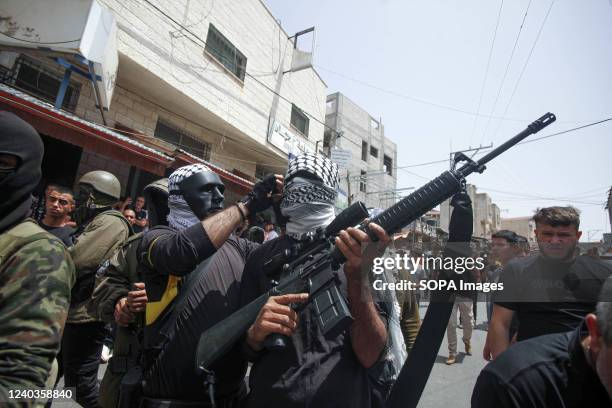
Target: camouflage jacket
column 36, row 275
column 117, row 278
column 97, row 243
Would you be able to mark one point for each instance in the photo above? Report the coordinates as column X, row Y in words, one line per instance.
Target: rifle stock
column 219, row 339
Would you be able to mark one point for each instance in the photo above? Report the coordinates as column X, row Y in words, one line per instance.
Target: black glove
column 459, row 234
column 258, row 199
column 461, row 227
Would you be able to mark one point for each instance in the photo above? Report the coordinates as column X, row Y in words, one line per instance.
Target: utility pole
column 348, row 188
column 470, row 149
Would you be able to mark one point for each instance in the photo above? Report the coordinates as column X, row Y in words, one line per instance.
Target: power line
column 501, row 86
column 520, row 143
column 426, row 102
column 414, row 99
column 332, row 129
column 524, row 67
column 245, row 72
column 564, row 131
column 199, row 125
column 535, row 197
column 484, row 81
column 39, row 42
column 422, row 164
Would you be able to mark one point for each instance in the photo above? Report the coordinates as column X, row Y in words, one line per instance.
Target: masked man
column 312, row 370
column 103, row 230
column 36, row 273
column 177, row 300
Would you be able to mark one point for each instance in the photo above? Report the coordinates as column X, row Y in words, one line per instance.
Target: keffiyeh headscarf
column 309, row 194
column 181, row 216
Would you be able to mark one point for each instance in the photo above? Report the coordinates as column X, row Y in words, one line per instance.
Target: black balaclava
column 21, row 140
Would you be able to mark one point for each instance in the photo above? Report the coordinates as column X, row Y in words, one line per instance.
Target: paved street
column 448, row 386
column 451, row 386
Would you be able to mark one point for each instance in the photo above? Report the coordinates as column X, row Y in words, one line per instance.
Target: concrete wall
column 486, row 214
column 524, row 226
column 91, row 161
column 358, row 126
column 151, row 42
column 164, row 75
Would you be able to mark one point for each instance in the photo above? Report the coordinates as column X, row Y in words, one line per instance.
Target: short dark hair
column 510, row 236
column 521, row 239
column 558, row 216
column 256, row 234
column 61, row 189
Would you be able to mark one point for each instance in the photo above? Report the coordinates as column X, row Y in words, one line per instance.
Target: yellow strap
column 155, row 309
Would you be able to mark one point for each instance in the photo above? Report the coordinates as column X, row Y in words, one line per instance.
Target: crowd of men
column 181, row 260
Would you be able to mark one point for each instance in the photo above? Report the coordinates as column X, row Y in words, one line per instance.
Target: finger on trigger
column 292, row 298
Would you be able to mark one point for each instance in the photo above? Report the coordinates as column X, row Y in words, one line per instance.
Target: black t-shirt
column 551, row 297
column 311, row 370
column 550, row 371
column 64, row 233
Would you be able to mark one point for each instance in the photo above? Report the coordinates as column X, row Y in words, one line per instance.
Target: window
column 330, row 106
column 224, row 51
column 373, row 151
column 182, row 140
column 388, row 164
column 374, row 124
column 35, row 79
column 299, row 121
column 364, row 151
column 362, row 182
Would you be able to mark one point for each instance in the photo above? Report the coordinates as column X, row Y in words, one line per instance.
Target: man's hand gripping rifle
column 307, row 267
column 314, row 269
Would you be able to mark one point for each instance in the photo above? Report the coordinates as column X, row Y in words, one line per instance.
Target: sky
column 446, row 75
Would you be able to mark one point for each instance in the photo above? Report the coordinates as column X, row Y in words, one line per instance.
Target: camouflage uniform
column 97, row 242
column 113, row 285
column 36, row 275
column 85, row 332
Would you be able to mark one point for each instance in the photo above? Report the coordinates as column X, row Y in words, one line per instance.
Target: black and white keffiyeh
column 309, row 194
column 315, row 166
column 181, row 216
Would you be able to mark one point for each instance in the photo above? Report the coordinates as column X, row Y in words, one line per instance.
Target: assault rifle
column 313, row 269
column 306, row 267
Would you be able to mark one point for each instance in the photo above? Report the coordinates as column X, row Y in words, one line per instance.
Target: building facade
column 524, row 226
column 196, row 81
column 486, row 214
column 371, row 175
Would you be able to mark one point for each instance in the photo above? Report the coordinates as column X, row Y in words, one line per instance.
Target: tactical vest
column 84, row 285
column 127, row 350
